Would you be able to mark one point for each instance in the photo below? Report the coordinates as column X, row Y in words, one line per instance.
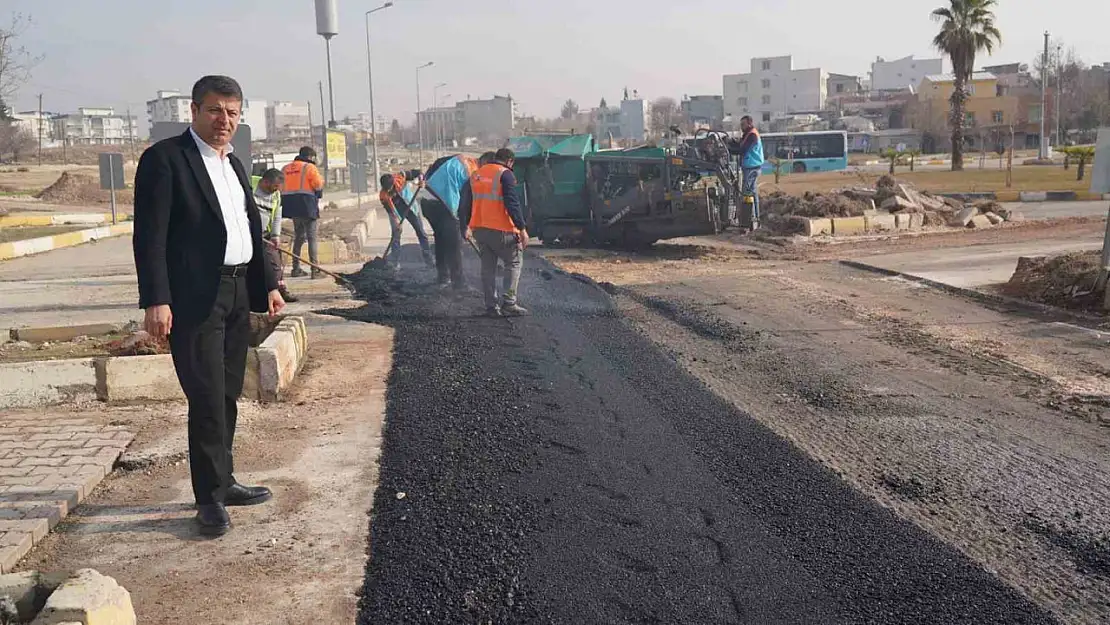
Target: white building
column 254, row 115
column 169, row 106
column 774, row 88
column 96, row 126
column 288, row 123
column 32, row 122
column 902, row 74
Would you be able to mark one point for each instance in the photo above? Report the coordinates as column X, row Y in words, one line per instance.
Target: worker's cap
column 387, row 181
column 414, row 174
column 307, row 152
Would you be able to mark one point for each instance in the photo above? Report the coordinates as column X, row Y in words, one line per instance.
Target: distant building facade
column 169, row 106
column 773, row 88
column 903, row 74
column 288, row 123
column 32, row 123
column 95, row 126
column 704, row 110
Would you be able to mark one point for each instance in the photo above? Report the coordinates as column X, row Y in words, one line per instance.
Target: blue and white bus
column 802, row 152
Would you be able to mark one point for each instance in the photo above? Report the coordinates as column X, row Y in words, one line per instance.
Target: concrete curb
column 989, row 299
column 271, row 369
column 84, row 597
column 15, row 249
column 1049, row 196
column 358, row 241
column 92, row 219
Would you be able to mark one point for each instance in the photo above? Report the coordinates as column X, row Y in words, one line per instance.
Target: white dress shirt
column 233, row 202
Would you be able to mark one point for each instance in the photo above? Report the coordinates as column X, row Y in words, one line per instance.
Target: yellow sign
column 337, row 149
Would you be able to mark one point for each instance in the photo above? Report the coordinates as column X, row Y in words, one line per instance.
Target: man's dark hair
column 504, row 155
column 220, row 85
column 414, row 174
column 273, row 175
column 748, row 118
column 386, row 181
column 487, row 158
column 307, row 152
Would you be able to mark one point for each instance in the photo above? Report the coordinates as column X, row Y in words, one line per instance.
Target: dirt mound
column 139, row 344
column 1067, row 281
column 79, row 188
column 814, row 205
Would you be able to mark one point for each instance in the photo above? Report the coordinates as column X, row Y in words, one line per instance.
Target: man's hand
column 522, row 239
column 276, row 303
column 468, row 235
column 159, row 321
column 274, row 241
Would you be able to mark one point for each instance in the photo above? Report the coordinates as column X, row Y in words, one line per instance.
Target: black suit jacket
column 180, row 236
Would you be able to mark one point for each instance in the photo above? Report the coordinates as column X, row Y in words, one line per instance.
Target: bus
column 802, row 152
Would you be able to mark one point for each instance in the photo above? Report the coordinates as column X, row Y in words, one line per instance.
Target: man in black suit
column 202, row 268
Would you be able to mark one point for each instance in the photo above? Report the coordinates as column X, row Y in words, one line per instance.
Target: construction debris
column 1067, row 281
column 786, row 214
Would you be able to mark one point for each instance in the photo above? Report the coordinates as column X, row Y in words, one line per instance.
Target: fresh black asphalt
column 561, row 468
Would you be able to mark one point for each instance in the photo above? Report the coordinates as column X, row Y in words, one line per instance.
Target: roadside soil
column 298, row 559
column 986, row 427
column 1031, row 178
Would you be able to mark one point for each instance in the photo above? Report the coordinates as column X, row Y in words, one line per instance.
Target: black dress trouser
column 210, row 359
column 449, row 241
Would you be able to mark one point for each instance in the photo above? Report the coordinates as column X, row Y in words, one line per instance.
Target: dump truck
column 576, row 194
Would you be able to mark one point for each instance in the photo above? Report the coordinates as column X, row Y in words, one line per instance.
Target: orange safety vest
column 488, row 209
column 301, row 177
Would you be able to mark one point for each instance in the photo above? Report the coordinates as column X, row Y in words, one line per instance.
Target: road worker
column 300, row 199
column 439, row 199
column 398, row 195
column 267, row 195
column 493, row 218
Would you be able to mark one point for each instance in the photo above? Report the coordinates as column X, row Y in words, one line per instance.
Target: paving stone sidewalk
column 48, row 465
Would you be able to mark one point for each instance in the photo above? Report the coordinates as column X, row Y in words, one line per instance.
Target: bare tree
column 664, row 112
column 16, row 62
column 15, row 140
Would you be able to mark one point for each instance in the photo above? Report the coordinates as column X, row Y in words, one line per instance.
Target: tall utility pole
column 327, row 26
column 1059, row 90
column 370, row 83
column 435, row 108
column 40, row 129
column 1042, row 153
column 323, row 134
column 311, row 140
column 419, row 124
column 131, row 134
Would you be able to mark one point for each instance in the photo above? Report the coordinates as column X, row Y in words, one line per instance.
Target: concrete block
column 994, row 219
column 1033, row 196
column 898, row 203
column 88, row 598
column 45, row 382
column 817, row 226
column 980, row 221
column 964, row 217
column 902, row 221
column 280, row 358
column 1015, row 216
column 22, row 588
column 132, row 378
column 847, row 226
column 882, row 222
column 62, row 333
column 917, row 221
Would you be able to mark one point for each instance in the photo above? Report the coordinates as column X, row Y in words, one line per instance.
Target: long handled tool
column 339, row 279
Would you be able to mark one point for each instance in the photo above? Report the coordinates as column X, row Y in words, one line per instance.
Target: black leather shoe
column 213, row 520
column 239, row 495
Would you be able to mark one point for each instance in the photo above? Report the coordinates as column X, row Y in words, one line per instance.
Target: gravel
column 562, row 468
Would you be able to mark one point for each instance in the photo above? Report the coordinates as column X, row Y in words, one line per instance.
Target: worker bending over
column 440, row 200
column 398, row 195
column 492, row 213
column 267, row 194
column 300, row 197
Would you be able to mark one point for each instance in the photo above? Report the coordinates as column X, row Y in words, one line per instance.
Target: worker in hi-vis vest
column 493, row 218
column 300, row 198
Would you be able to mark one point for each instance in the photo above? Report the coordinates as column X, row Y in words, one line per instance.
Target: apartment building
column 95, row 126
column 993, row 109
column 288, row 123
column 902, row 74
column 774, row 88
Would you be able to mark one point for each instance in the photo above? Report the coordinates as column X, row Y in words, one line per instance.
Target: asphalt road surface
column 562, row 468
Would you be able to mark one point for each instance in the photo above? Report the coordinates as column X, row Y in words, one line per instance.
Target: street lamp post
column 370, row 83
column 442, row 125
column 435, row 107
column 419, row 124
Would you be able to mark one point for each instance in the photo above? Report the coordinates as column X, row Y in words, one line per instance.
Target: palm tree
column 967, row 27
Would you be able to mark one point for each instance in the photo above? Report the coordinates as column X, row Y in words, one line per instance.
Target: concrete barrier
column 45, row 382
column 271, row 370
column 84, row 597
column 62, row 333
column 358, row 242
column 53, row 219
column 16, row 249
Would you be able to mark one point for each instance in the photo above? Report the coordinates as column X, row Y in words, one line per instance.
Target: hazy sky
column 119, row 52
